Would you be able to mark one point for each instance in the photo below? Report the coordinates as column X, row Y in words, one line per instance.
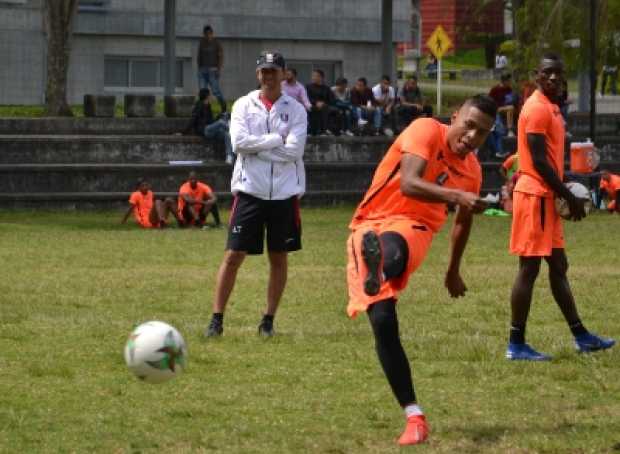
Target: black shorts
column 249, row 218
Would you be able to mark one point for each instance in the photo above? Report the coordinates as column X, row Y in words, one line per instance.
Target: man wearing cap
column 268, row 132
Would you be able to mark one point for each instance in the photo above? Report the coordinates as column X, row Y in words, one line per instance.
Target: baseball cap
column 270, row 59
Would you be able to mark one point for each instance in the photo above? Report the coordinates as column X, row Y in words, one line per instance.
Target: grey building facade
column 118, row 45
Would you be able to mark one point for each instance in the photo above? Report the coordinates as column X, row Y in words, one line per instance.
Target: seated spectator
column 365, row 106
column 385, row 95
column 292, row 87
column 196, row 201
column 322, row 99
column 342, row 96
column 203, row 124
column 412, row 103
column 148, row 211
column 506, row 100
column 431, row 67
column 610, row 186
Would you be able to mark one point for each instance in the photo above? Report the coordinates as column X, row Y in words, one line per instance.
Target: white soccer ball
column 579, row 191
column 155, row 352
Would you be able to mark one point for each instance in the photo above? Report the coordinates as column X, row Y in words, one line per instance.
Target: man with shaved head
column 536, row 226
column 429, row 166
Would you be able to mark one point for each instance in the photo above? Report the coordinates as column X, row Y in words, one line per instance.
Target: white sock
column 413, row 410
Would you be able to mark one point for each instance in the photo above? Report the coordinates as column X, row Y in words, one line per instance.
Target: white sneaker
column 388, row 132
column 510, row 133
column 349, row 133
column 361, row 122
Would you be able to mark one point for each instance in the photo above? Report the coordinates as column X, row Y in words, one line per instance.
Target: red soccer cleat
column 415, row 432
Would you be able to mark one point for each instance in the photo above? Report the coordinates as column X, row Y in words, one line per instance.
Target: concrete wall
column 343, row 31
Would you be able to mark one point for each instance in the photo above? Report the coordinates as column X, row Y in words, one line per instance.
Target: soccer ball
column 155, row 352
column 579, row 191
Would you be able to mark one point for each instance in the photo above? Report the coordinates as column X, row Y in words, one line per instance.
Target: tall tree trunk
column 59, row 16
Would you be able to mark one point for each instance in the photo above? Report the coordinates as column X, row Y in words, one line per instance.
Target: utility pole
column 170, row 66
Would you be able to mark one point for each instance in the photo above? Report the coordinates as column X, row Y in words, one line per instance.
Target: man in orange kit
column 610, row 183
column 196, row 201
column 536, row 227
column 148, row 211
column 429, row 166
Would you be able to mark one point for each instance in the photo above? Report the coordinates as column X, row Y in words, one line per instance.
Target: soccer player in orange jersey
column 610, row 183
column 536, row 227
column 429, row 166
column 196, row 201
column 147, row 210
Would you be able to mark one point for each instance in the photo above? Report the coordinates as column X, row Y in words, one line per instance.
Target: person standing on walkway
column 210, row 61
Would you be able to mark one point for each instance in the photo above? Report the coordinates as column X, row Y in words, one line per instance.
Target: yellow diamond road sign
column 439, row 42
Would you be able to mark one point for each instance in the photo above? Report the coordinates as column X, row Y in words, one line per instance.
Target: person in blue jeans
column 365, row 106
column 210, row 61
column 203, row 124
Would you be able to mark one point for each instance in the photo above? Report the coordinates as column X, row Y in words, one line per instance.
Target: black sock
column 219, row 317
column 577, row 328
column 391, row 354
column 517, row 334
column 268, row 318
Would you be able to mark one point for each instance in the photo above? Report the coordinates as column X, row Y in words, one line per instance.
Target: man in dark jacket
column 210, row 60
column 365, row 105
column 203, row 124
column 322, row 100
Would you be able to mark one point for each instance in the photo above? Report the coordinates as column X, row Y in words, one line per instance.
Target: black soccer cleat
column 371, row 253
column 215, row 329
column 266, row 328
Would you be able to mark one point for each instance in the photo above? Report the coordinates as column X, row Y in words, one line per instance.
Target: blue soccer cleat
column 523, row 352
column 586, row 343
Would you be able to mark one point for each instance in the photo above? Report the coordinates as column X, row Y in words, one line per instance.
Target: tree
column 58, row 19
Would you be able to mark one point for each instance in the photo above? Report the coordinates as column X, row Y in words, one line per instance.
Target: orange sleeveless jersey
column 426, row 138
column 540, row 116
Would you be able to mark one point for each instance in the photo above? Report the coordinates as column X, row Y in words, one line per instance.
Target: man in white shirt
column 268, row 134
column 385, row 95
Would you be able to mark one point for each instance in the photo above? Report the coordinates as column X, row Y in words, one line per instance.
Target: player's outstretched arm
column 413, row 185
column 458, row 240
column 544, row 169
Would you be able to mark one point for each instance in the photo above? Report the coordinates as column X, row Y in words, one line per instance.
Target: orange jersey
column 511, row 165
column 142, row 206
column 540, row 116
column 201, row 192
column 612, row 186
column 425, row 138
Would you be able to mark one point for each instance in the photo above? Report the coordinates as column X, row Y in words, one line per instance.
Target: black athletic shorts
column 251, row 216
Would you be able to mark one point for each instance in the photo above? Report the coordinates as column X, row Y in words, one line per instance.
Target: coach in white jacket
column 268, row 134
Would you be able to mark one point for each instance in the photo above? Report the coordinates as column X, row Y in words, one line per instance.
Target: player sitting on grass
column 610, row 185
column 429, row 166
column 149, row 212
column 536, row 226
column 196, row 201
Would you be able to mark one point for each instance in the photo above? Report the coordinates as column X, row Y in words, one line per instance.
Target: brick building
column 459, row 18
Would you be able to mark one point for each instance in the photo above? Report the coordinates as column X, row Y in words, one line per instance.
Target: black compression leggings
column 384, row 322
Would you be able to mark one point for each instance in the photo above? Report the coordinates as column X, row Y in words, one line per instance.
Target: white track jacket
column 269, row 147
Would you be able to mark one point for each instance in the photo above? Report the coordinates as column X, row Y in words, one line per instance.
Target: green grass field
column 75, row 284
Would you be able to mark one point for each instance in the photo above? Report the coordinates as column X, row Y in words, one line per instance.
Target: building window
column 95, row 6
column 138, row 72
column 305, row 67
